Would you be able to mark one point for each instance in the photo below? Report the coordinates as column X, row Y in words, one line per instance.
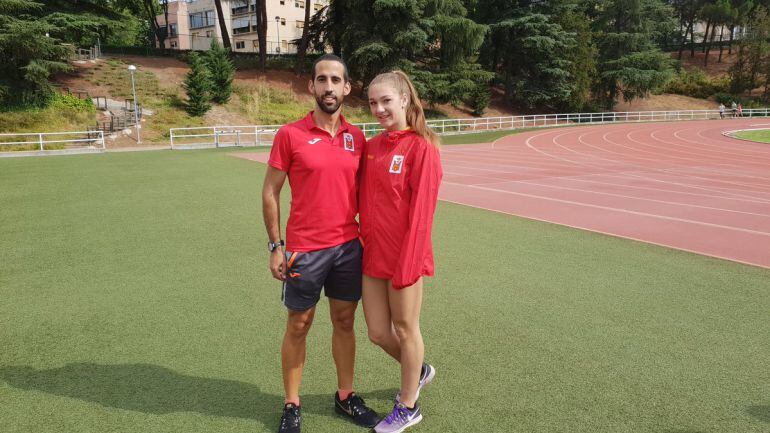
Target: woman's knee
column 380, row 337
column 406, row 330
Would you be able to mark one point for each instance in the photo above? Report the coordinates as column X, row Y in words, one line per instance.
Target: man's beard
column 326, row 108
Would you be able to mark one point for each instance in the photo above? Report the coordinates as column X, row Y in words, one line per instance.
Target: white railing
column 262, row 135
column 222, row 136
column 18, row 144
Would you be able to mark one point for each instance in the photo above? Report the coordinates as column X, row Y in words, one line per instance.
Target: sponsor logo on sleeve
column 397, row 164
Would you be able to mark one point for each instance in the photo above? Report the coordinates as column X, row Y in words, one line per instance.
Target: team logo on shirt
column 314, row 141
column 348, row 139
column 397, row 163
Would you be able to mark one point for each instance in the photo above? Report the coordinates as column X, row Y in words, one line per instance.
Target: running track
column 679, row 184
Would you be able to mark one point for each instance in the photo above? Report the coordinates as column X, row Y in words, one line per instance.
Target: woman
column 399, row 189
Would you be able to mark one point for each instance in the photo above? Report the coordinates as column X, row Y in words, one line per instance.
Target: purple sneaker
column 400, row 419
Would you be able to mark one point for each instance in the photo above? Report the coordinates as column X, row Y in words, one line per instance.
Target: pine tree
column 630, row 62
column 431, row 40
column 29, row 56
column 197, row 83
column 221, row 71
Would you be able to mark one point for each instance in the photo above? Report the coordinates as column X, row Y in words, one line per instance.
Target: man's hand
column 278, row 264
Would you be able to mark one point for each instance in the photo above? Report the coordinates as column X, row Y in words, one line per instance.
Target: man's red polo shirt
column 323, row 175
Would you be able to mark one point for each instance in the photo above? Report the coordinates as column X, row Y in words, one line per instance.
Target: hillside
column 274, row 97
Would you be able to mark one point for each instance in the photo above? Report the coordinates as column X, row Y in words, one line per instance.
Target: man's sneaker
column 399, row 419
column 426, row 376
column 354, row 408
column 291, row 419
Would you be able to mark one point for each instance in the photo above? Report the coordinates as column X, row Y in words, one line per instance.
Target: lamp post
column 132, row 69
column 278, row 32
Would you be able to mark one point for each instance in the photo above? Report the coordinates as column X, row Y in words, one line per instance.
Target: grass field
column 760, row 135
column 136, row 298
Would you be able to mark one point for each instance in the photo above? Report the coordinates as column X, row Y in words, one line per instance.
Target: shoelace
column 356, row 405
column 399, row 413
column 293, row 415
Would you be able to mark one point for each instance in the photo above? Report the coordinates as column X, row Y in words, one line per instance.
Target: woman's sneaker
column 426, row 376
column 399, row 419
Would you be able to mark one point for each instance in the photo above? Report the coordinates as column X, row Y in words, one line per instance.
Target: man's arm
column 271, row 212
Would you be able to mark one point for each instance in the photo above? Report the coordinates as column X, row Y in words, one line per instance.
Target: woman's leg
column 405, row 307
column 377, row 315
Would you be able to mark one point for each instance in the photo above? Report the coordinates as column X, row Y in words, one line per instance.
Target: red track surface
column 682, row 184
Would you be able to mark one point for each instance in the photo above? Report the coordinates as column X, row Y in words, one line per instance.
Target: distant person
column 734, row 109
column 740, row 110
column 721, row 111
column 321, row 156
column 399, row 189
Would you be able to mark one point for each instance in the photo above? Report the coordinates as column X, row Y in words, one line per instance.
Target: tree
column 630, row 63
column 197, row 84
column 543, row 79
column 262, row 32
column 753, row 56
column 303, row 41
column 29, row 56
column 221, row 72
column 432, row 40
column 222, row 25
column 581, row 55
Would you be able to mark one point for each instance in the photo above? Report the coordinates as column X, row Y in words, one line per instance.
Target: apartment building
column 193, row 24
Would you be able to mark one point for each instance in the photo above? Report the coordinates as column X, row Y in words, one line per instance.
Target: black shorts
column 336, row 269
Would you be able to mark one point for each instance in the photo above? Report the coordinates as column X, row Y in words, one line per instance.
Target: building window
column 317, row 7
column 239, row 45
column 283, row 2
column 283, row 21
column 209, row 33
column 239, row 7
column 299, row 4
column 202, row 19
column 242, row 25
column 172, row 30
column 173, row 44
column 300, row 24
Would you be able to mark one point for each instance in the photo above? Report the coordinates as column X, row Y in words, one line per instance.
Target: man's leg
column 293, row 352
column 343, row 315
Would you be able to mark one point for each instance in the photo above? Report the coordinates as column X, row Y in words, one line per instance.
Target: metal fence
column 222, row 136
column 40, row 143
column 262, row 135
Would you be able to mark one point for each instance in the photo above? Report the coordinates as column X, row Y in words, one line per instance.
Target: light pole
column 132, row 69
column 278, row 32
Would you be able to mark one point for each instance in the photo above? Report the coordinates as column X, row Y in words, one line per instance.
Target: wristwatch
column 271, row 246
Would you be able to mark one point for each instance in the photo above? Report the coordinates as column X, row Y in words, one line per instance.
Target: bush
column 696, row 84
column 69, row 102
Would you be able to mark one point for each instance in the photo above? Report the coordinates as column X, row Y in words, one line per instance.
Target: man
column 320, row 155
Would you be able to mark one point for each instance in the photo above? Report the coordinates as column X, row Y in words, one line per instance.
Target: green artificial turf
column 760, row 135
column 135, row 297
column 481, row 137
